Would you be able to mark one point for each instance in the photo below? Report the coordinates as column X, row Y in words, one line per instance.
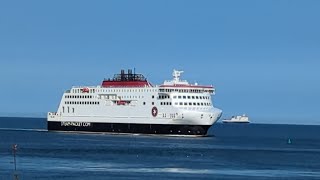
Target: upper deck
column 182, row 86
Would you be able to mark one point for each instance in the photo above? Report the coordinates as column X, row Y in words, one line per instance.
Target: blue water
column 231, row 151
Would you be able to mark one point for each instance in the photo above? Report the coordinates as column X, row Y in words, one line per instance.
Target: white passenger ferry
column 237, row 119
column 128, row 103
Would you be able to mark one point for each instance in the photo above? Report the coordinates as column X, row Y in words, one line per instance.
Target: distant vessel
column 237, row 119
column 128, row 103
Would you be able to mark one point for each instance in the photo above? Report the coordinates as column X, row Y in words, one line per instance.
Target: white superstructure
column 237, row 119
column 128, row 103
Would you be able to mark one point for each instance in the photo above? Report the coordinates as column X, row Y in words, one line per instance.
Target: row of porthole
column 82, row 102
column 192, row 104
column 127, row 90
column 191, row 97
column 78, row 96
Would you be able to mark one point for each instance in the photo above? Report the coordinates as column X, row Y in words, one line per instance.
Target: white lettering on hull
column 79, row 124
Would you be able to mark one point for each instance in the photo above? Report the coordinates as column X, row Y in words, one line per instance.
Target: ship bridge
column 182, row 86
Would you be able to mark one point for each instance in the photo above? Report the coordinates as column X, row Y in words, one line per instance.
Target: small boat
column 237, row 119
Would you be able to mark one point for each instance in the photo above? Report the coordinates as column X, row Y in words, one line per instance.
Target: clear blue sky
column 263, row 57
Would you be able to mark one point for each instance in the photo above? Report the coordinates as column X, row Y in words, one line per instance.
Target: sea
column 230, row 151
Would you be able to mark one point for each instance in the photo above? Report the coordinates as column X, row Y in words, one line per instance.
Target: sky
column 263, row 57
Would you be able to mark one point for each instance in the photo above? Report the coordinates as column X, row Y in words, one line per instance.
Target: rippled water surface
column 231, row 151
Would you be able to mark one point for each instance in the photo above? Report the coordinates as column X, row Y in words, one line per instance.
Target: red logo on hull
column 154, row 111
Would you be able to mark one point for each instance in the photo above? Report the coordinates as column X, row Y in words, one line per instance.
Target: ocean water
column 231, row 151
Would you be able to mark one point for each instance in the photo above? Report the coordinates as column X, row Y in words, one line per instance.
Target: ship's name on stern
column 79, row 124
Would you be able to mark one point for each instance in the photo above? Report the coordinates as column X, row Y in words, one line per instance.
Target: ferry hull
column 165, row 129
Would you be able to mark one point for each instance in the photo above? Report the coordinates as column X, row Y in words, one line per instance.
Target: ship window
column 197, row 97
column 152, row 96
column 201, row 104
column 190, row 103
column 188, row 97
column 198, row 104
column 185, row 103
column 176, row 103
column 194, row 103
column 144, row 103
column 174, row 97
column 200, row 97
column 152, row 103
column 180, row 103
column 72, row 110
column 161, row 103
column 63, row 109
column 179, row 97
column 170, row 103
column 68, row 109
column 184, row 97
column 192, row 97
